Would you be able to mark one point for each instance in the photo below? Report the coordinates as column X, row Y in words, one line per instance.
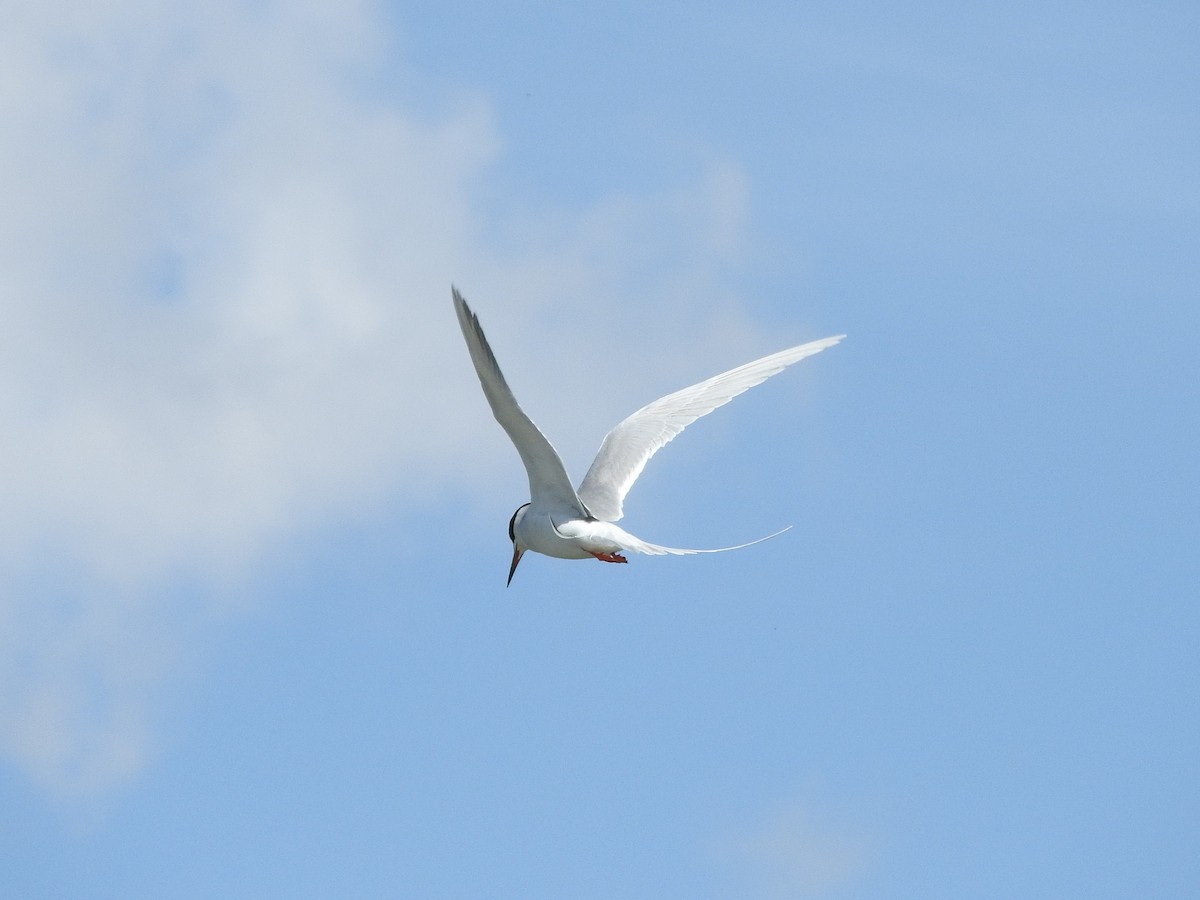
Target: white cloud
column 222, row 261
column 797, row 852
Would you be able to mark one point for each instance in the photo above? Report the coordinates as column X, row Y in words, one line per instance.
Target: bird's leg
column 610, row 557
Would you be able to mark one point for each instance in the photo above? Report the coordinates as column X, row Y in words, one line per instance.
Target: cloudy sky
column 254, row 634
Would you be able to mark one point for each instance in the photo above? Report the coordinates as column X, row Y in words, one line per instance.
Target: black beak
column 517, row 554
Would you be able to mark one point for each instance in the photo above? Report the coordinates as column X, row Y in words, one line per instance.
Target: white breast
column 568, row 538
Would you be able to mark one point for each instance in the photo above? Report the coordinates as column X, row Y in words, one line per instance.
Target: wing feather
column 549, row 484
column 627, row 448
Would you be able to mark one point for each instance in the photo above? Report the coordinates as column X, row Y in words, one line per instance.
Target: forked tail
column 637, row 545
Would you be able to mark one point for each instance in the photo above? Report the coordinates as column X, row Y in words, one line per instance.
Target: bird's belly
column 570, row 539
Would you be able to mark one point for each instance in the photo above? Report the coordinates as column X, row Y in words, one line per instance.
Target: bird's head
column 518, row 548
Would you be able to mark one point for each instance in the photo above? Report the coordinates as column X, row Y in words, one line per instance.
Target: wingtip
column 466, row 316
column 824, row 343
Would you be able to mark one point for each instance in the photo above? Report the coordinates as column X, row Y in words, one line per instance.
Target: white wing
column 628, row 447
column 549, row 484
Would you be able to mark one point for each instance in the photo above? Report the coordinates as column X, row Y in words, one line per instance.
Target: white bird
column 562, row 522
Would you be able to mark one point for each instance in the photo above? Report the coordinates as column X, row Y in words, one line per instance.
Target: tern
column 566, row 523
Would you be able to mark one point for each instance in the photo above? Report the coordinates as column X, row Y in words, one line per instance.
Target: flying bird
column 566, row 523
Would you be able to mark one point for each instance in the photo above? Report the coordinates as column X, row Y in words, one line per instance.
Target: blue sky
column 256, row 640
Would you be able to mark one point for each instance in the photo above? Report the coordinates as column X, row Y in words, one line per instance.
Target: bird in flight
column 566, row 523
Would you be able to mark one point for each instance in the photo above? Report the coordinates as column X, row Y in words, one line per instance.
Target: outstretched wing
column 549, row 485
column 628, row 447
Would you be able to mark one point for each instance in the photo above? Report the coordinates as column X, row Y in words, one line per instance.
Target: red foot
column 610, row 557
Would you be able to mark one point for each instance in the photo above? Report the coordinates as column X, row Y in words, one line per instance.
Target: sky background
column 254, row 634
